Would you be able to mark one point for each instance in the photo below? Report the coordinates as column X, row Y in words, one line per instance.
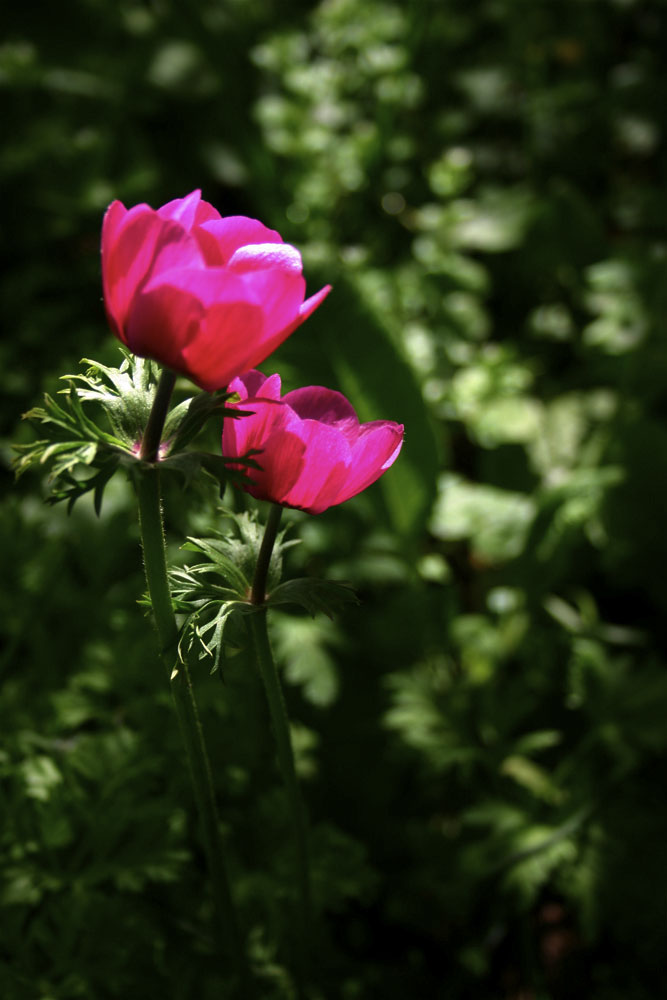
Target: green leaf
column 205, row 632
column 74, row 443
column 304, row 648
column 532, row 777
column 125, row 393
column 223, row 562
column 496, row 521
column 237, row 552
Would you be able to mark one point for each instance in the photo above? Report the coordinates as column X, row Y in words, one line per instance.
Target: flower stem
column 258, row 595
column 280, row 721
column 147, row 487
column 150, row 444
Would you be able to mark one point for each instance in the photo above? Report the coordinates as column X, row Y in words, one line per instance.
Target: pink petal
column 115, row 305
column 161, row 324
column 128, row 248
column 395, row 453
column 241, row 434
column 318, row 403
column 311, row 304
column 206, row 213
column 324, row 467
column 256, row 384
column 231, row 336
column 182, row 210
column 135, row 245
column 224, row 335
column 276, row 299
column 259, row 256
column 305, row 309
column 193, row 321
column 219, row 239
column 376, row 449
column 272, row 273
column 281, row 451
column 211, row 285
column 279, row 292
column 113, row 218
column 280, row 463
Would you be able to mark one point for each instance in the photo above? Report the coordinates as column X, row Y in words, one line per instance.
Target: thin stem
column 258, row 595
column 147, row 487
column 150, row 444
column 280, row 721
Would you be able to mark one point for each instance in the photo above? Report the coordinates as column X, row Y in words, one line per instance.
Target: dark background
column 482, row 743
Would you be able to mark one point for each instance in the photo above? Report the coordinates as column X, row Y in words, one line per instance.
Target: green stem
column 150, row 443
column 147, row 487
column 258, row 595
column 280, row 721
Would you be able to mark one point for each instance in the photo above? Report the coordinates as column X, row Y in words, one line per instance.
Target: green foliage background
column 482, row 742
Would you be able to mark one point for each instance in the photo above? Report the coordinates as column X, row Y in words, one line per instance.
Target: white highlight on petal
column 259, row 256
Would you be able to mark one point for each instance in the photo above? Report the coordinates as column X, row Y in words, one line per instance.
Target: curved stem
column 150, row 444
column 147, row 487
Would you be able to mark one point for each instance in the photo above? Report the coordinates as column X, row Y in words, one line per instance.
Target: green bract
column 214, row 594
column 98, row 425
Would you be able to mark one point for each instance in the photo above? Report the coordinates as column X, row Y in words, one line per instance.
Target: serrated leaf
column 222, row 561
column 74, row 444
column 235, row 554
column 125, row 393
column 214, row 617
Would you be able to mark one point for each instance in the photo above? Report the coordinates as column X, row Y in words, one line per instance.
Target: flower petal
column 206, row 213
column 259, row 256
column 115, row 298
column 256, row 384
column 111, row 223
column 220, row 238
column 182, row 210
column 273, row 296
column 269, row 430
column 375, row 450
column 232, row 289
column 280, row 462
column 161, row 322
column 305, row 309
column 135, row 246
column 309, row 462
column 318, row 403
column 324, row 469
column 189, row 211
column 195, row 321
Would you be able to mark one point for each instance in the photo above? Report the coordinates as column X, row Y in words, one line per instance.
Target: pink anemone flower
column 312, row 451
column 206, row 296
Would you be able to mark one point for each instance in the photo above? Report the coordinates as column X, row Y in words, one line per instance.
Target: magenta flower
column 313, row 452
column 207, row 297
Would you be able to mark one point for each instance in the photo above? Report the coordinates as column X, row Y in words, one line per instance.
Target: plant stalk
column 257, row 626
column 147, row 486
column 258, row 595
column 150, row 443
